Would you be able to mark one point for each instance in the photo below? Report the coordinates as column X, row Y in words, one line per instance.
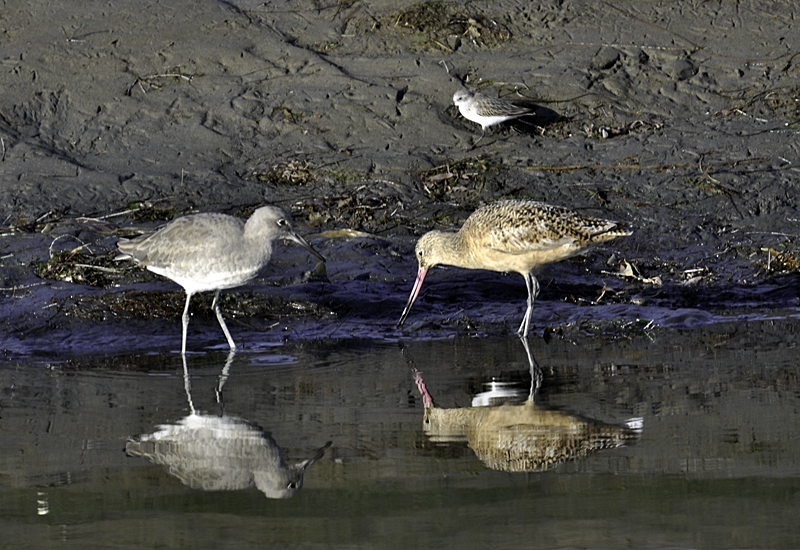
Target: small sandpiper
column 486, row 110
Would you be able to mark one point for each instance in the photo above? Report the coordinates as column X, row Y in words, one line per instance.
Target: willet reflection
column 524, row 437
column 223, row 452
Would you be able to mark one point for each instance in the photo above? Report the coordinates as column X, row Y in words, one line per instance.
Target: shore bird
column 486, row 110
column 512, row 236
column 204, row 252
column 523, row 437
column 221, row 452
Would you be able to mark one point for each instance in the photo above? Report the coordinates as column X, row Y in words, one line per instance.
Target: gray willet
column 512, row 236
column 487, row 110
column 222, row 453
column 205, row 252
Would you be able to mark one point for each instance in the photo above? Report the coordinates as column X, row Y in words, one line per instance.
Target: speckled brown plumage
column 524, row 437
column 513, row 236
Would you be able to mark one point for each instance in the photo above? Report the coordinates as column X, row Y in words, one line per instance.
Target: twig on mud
column 43, row 217
column 776, row 233
column 780, row 262
column 629, row 271
column 99, row 268
column 149, row 80
column 68, row 37
column 107, row 216
column 3, row 142
column 74, row 250
column 75, row 39
column 602, row 293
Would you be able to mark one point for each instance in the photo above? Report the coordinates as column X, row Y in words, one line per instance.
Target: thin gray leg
column 185, row 321
column 483, row 133
column 215, row 307
column 223, row 376
column 187, row 384
column 536, row 371
column 533, row 290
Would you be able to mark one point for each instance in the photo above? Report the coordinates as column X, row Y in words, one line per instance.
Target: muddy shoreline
column 682, row 120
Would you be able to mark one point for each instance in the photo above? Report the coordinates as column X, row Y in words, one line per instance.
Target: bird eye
column 292, row 485
column 282, row 222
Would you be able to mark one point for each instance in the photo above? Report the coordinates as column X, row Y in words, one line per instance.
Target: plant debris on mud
column 446, row 24
column 73, row 266
column 295, row 172
column 170, row 304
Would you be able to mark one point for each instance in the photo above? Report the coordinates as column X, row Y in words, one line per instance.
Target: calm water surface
column 715, row 465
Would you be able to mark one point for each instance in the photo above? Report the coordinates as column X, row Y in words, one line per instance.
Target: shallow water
column 716, row 464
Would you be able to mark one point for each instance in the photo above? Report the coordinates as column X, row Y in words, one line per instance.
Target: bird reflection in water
column 222, row 453
column 524, row 437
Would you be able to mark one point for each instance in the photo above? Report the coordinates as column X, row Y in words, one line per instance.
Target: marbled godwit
column 204, row 252
column 486, row 110
column 524, row 437
column 512, row 236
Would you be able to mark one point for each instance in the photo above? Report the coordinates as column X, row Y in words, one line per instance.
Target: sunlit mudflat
column 714, row 462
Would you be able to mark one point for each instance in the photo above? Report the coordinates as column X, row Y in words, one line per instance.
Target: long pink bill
column 414, row 291
column 427, row 400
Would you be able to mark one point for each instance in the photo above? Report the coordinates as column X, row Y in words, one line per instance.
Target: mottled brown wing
column 519, row 227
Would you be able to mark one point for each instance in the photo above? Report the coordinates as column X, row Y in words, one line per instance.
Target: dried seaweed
column 73, row 266
column 466, row 178
column 295, row 172
column 439, row 20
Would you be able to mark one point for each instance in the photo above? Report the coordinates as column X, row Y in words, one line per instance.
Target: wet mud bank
column 680, row 120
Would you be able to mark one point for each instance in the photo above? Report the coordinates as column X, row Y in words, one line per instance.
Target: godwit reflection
column 524, row 437
column 223, row 452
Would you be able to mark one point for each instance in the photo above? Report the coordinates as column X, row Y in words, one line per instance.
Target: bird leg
column 483, row 133
column 185, row 321
column 187, row 384
column 533, row 290
column 223, row 377
column 215, row 307
column 536, row 371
